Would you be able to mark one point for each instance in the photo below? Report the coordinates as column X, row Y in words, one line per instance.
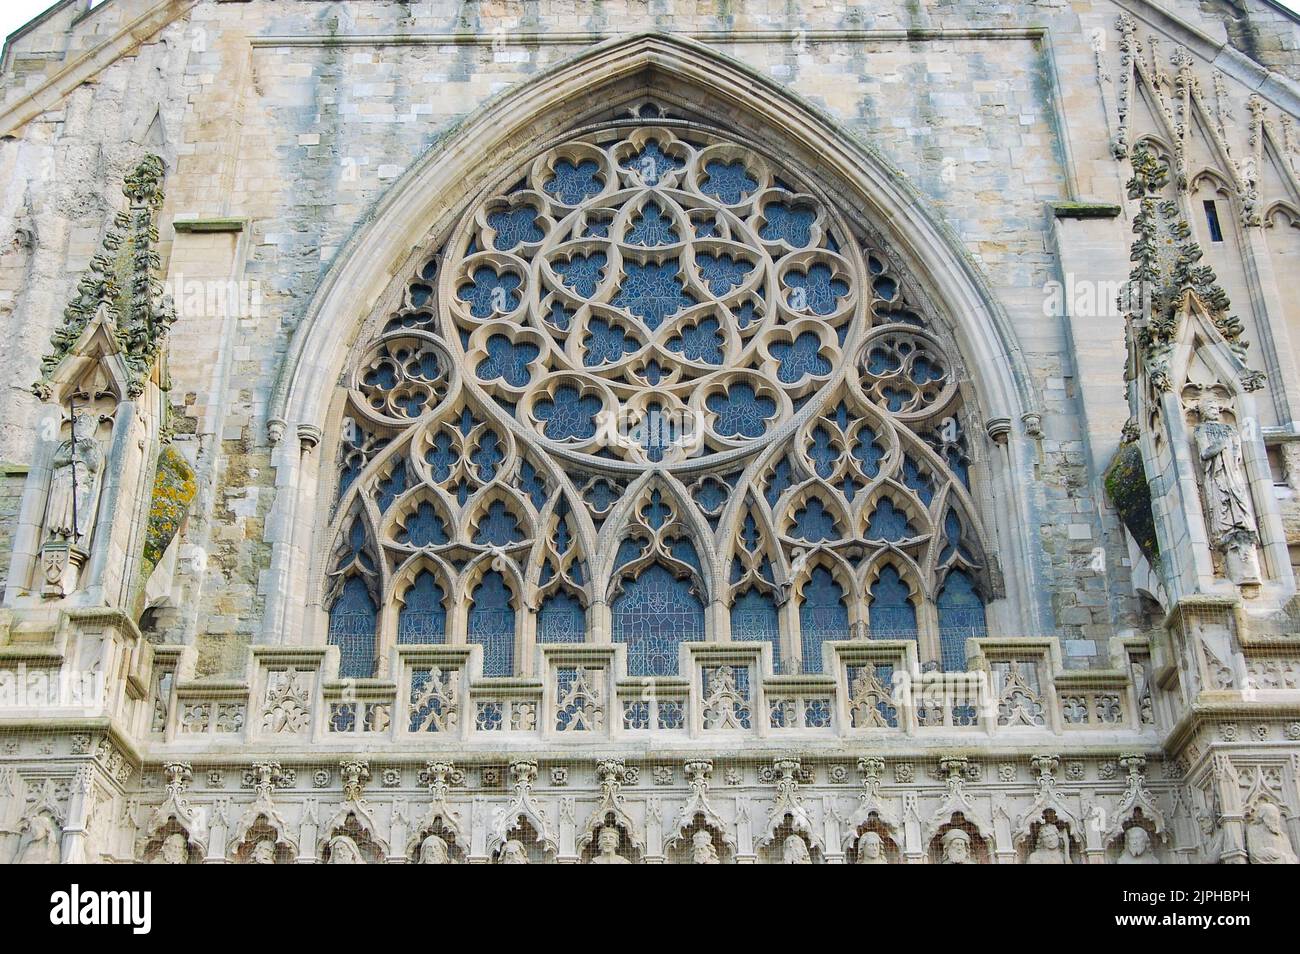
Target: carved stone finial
column 355, row 773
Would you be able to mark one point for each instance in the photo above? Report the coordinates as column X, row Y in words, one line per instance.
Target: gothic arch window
column 655, row 613
column 655, row 295
column 492, row 624
column 423, row 615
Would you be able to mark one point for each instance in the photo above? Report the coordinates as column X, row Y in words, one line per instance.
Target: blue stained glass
column 628, row 550
column 868, row 451
column 882, row 361
column 745, row 313
column 749, row 535
column 789, row 223
column 597, row 226
column 582, row 273
column 711, row 494
column 561, row 619
column 684, row 550
column 741, row 412
column 924, row 370
column 651, row 228
column 567, row 416
column 423, row 528
column 887, row 522
column 559, row 316
column 423, row 618
column 885, row 287
column 498, row 527
column 800, row 359
column 606, row 343
column 722, row 273
column 487, row 455
column 891, row 614
column 895, row 398
column 514, row 226
column 657, row 512
column 823, row 452
column 422, row 365
column 602, row 495
column 441, row 456
column 918, row 481
column 822, row 616
column 653, row 291
column 490, row 291
column 702, row 342
column 507, row 360
column 961, row 617
column 352, row 629
column 652, row 163
column 653, row 615
column 391, row 487
column 652, row 372
column 754, row 619
column 952, row 532
column 355, row 551
column 656, row 431
column 492, row 624
column 531, row 483
column 814, row 523
column 816, row 290
column 729, row 182
column 574, row 181
column 383, row 377
column 782, row 478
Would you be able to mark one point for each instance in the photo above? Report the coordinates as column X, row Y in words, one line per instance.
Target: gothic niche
column 1225, row 488
column 171, row 844
column 959, row 842
column 263, row 844
column 522, row 846
column 351, row 843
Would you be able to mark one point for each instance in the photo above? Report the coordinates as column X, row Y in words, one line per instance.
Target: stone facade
column 660, row 431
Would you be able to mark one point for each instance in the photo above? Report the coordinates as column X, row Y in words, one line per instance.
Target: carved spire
column 122, row 280
column 1166, row 273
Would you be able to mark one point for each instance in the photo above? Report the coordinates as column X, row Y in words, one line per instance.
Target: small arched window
column 961, row 617
column 891, row 614
column 423, row 617
column 823, row 616
column 754, row 618
column 492, row 624
column 655, row 613
column 352, row 629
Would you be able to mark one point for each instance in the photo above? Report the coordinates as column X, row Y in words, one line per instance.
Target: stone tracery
column 655, row 297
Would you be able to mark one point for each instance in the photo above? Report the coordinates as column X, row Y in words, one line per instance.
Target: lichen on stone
column 173, row 490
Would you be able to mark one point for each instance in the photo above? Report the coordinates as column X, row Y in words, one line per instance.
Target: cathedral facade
column 655, row 431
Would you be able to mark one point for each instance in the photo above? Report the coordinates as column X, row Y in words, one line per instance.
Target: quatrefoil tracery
column 658, row 279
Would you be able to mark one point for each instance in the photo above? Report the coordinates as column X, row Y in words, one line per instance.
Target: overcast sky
column 14, row 13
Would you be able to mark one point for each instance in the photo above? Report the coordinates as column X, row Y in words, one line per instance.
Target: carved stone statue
column 1228, row 512
column 433, row 851
column 607, row 848
column 263, row 852
column 175, row 850
column 42, row 847
column 955, row 848
column 1049, row 848
column 344, row 851
column 871, row 850
column 794, row 851
column 70, row 508
column 1137, row 848
column 512, row 853
column 702, row 850
column 1266, row 837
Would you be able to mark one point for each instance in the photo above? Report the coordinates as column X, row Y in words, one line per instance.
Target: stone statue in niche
column 1137, row 848
column 344, row 851
column 794, row 851
column 1049, row 848
column 433, row 851
column 702, row 850
column 607, row 848
column 263, row 852
column 1228, row 511
column 175, row 850
column 71, row 505
column 955, row 848
column 512, row 853
column 871, row 850
column 42, row 846
column 1266, row 837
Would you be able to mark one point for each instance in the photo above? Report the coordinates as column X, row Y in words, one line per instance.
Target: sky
column 14, row 13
